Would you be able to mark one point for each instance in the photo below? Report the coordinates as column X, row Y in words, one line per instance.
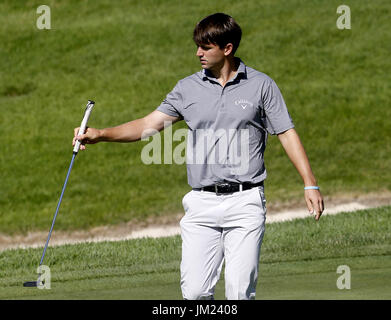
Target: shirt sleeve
column 278, row 118
column 172, row 104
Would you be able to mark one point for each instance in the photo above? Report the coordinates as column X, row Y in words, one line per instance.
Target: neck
column 226, row 71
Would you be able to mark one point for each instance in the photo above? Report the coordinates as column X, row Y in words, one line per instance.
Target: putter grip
column 83, row 125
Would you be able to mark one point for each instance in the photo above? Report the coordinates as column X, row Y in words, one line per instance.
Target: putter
column 82, row 129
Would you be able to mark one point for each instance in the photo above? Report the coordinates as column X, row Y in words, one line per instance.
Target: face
column 211, row 56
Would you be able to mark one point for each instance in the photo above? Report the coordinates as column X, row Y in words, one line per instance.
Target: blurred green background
column 127, row 55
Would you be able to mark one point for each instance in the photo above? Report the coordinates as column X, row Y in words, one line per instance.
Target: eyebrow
column 202, row 45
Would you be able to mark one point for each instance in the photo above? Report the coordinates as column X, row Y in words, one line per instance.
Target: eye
column 204, row 47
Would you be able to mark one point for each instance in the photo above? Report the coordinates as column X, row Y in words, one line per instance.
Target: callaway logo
column 243, row 103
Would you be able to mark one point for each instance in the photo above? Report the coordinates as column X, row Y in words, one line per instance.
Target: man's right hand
column 91, row 136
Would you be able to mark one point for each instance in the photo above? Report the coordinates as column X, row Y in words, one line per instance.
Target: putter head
column 30, row 284
column 34, row 284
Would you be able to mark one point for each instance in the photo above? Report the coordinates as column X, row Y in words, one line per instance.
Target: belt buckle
column 225, row 186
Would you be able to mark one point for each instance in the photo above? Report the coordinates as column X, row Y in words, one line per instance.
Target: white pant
column 215, row 228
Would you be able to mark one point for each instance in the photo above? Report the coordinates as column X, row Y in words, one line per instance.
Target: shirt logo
column 243, row 103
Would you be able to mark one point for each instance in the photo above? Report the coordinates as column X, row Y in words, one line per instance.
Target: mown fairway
column 299, row 260
column 127, row 55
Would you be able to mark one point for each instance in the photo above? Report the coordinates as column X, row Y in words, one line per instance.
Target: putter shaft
column 58, row 206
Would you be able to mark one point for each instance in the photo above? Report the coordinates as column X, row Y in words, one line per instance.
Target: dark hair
column 219, row 29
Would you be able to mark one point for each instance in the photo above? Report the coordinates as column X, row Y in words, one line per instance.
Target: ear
column 228, row 49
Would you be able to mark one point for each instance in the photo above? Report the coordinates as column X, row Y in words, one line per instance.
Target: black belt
column 229, row 187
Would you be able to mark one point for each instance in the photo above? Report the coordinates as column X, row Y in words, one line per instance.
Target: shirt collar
column 241, row 73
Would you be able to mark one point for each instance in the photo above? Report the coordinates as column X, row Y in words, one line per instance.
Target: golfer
column 230, row 109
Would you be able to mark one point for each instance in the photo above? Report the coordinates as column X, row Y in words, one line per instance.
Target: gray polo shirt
column 227, row 126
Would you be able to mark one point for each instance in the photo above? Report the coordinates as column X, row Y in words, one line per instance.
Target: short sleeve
column 172, row 104
column 278, row 119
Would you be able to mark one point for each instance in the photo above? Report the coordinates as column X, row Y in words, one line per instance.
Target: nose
column 199, row 53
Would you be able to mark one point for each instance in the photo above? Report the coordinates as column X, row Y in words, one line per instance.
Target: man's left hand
column 314, row 201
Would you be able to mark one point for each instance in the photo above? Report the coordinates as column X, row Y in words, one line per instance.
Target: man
column 234, row 107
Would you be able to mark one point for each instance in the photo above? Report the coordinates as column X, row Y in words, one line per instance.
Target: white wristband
column 311, row 188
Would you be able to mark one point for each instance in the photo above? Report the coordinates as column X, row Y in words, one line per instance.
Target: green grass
column 127, row 56
column 299, row 260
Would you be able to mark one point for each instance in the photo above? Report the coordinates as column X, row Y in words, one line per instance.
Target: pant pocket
column 262, row 197
column 185, row 201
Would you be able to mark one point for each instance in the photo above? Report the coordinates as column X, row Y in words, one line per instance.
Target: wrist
column 101, row 135
column 310, row 182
